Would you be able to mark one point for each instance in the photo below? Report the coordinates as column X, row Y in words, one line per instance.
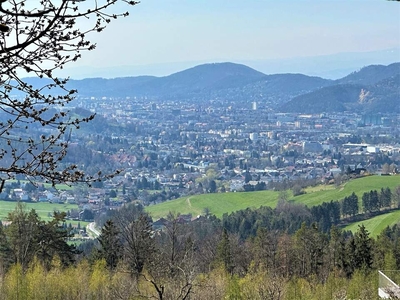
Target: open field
column 359, row 186
column 218, row 204
column 376, row 224
column 60, row 187
column 43, row 209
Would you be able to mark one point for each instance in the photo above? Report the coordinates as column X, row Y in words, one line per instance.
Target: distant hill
column 199, row 80
column 335, row 98
column 374, row 87
column 371, row 74
column 226, row 81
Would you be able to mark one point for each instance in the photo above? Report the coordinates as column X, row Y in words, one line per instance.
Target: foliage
column 27, row 237
column 111, row 245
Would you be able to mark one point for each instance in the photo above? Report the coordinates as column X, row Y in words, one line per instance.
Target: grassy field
column 359, row 186
column 43, row 209
column 218, row 204
column 376, row 224
column 60, row 187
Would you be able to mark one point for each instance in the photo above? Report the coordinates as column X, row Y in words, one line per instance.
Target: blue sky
column 163, row 32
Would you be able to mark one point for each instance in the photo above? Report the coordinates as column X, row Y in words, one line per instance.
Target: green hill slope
column 359, row 186
column 376, row 224
column 218, row 204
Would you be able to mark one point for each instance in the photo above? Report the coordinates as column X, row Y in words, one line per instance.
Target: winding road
column 91, row 227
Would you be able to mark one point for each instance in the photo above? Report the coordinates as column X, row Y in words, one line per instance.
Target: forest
column 281, row 253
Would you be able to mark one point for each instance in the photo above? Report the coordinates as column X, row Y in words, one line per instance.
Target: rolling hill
column 371, row 74
column 372, row 89
column 218, row 204
column 227, row 81
column 376, row 224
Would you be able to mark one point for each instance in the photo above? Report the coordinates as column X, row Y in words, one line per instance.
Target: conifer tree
column 111, row 247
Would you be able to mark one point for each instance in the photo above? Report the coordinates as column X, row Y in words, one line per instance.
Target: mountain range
column 373, row 88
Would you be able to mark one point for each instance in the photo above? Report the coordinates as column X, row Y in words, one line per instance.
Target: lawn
column 376, row 224
column 43, row 209
column 218, row 204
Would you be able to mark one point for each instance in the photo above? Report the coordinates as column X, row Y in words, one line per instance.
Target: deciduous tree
column 37, row 39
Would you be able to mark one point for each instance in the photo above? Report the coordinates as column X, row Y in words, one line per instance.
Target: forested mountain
column 371, row 74
column 329, row 99
column 381, row 96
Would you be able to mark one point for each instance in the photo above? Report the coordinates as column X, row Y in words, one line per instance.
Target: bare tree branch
column 39, row 40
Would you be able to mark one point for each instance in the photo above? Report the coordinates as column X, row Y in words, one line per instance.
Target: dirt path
column 188, row 202
column 342, row 188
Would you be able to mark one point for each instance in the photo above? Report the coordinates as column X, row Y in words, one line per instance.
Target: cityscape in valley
column 166, row 149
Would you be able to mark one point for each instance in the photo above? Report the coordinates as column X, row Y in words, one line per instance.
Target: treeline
column 288, row 215
column 282, row 257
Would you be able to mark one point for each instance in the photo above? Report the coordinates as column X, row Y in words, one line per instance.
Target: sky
column 161, row 35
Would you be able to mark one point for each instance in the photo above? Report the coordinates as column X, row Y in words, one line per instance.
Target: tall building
column 254, row 136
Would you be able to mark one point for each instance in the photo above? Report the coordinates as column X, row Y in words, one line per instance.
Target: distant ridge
column 367, row 89
column 372, row 74
column 226, row 81
column 374, row 89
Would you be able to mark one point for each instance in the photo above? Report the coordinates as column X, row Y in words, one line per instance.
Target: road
column 91, row 227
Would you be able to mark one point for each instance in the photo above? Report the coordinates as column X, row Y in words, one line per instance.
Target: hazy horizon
column 326, row 66
column 160, row 38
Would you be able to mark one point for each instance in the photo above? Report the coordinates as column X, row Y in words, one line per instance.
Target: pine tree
column 363, row 252
column 224, row 255
column 111, row 247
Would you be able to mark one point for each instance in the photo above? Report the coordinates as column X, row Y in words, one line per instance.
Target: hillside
column 373, row 89
column 371, row 74
column 376, row 224
column 337, row 98
column 219, row 204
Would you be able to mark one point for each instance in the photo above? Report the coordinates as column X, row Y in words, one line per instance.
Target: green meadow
column 376, row 224
column 359, row 186
column 218, row 204
column 60, row 186
column 43, row 209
